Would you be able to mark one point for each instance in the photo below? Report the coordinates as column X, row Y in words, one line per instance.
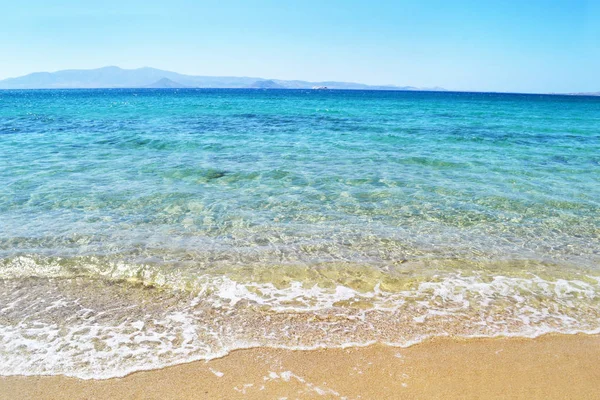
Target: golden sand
column 550, row 367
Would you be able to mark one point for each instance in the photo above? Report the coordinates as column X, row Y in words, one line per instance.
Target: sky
column 536, row 46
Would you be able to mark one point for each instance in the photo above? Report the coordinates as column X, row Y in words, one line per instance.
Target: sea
column 141, row 228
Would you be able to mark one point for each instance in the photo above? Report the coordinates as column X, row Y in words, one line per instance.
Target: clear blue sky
column 511, row 45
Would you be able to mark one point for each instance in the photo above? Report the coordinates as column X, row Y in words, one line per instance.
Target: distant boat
column 320, row 88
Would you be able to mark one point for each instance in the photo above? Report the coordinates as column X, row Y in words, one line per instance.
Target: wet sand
column 549, row 367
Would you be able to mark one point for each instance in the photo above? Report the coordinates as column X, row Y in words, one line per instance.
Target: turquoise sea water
column 143, row 228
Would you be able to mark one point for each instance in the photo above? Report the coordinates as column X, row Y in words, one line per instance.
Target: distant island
column 115, row 77
column 165, row 83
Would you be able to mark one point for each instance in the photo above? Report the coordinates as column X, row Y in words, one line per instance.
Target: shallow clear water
column 142, row 228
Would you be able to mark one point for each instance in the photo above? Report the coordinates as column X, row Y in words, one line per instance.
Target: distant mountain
column 115, row 77
column 266, row 84
column 165, row 83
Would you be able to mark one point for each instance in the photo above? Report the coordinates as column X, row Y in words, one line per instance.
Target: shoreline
column 549, row 366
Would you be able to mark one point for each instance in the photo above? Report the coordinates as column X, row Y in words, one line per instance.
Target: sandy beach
column 549, row 367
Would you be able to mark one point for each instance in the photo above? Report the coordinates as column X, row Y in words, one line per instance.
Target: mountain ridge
column 165, row 83
column 116, row 77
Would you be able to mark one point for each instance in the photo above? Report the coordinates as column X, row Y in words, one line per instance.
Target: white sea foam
column 68, row 336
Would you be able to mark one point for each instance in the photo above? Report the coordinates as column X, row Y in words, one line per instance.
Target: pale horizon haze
column 511, row 46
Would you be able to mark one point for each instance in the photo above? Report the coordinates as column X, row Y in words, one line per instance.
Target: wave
column 97, row 326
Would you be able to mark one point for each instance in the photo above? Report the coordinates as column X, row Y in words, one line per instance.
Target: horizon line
column 392, row 87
